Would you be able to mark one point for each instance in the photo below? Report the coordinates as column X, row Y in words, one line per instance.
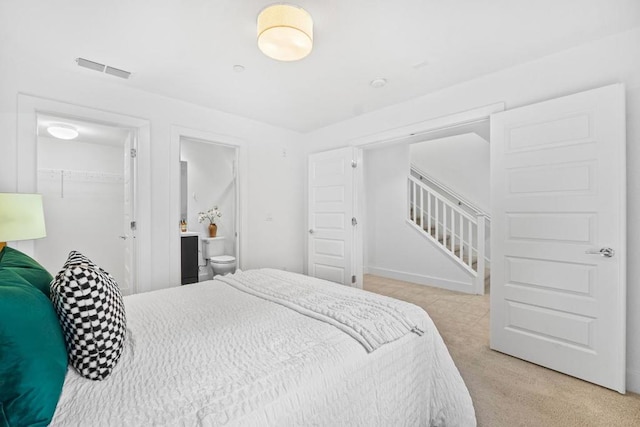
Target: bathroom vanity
column 189, row 256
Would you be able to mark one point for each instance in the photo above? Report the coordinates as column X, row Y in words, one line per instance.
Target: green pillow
column 26, row 267
column 33, row 358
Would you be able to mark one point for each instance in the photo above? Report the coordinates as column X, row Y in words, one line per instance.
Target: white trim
column 178, row 132
column 29, row 106
column 358, row 209
column 623, row 230
column 633, row 381
column 421, row 279
column 417, row 130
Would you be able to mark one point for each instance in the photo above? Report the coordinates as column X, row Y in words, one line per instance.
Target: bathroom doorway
column 208, row 180
column 86, row 173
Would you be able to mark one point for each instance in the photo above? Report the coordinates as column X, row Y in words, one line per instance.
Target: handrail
column 445, row 200
column 451, row 192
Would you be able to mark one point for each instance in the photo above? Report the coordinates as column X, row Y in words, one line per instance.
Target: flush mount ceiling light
column 285, row 32
column 63, row 131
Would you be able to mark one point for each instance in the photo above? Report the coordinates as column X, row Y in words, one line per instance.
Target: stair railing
column 459, row 234
column 445, row 190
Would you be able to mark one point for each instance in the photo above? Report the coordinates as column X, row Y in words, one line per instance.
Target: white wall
column 394, row 248
column 460, row 162
column 83, row 214
column 609, row 60
column 266, row 174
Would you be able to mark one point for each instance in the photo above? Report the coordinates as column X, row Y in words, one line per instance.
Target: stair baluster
column 442, row 220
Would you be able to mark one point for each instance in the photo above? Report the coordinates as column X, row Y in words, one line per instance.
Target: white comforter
column 210, row 354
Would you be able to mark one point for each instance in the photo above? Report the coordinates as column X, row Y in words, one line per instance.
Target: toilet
column 213, row 252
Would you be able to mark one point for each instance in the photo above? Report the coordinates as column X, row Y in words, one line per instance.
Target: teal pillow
column 33, row 358
column 26, row 267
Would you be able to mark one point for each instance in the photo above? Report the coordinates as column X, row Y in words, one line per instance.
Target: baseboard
column 633, row 381
column 421, row 279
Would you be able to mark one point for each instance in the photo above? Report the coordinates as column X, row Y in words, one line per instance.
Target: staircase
column 458, row 231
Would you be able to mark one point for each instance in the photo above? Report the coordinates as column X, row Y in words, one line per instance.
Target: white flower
column 212, row 215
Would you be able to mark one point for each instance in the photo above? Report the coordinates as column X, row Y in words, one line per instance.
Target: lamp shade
column 285, row 32
column 21, row 217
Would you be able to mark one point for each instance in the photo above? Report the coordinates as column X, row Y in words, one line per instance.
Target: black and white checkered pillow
column 91, row 312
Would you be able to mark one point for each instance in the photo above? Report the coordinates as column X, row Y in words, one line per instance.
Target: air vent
column 90, row 64
column 102, row 68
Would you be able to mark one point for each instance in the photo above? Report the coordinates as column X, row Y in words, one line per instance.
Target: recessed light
column 378, row 83
column 61, row 131
column 238, row 68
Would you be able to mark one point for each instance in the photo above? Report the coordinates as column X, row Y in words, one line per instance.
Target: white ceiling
column 187, row 49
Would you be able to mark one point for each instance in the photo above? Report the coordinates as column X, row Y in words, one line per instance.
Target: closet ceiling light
column 285, row 32
column 63, row 131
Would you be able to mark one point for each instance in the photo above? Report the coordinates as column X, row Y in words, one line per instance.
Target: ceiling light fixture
column 63, row 131
column 285, row 32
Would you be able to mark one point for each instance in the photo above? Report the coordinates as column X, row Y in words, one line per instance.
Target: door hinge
column 134, row 153
column 354, row 221
column 133, row 225
column 353, row 279
column 354, row 163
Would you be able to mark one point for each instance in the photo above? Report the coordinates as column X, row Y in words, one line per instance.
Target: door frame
column 239, row 145
column 413, row 132
column 29, row 107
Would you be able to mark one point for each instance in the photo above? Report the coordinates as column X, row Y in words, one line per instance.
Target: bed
column 250, row 349
column 261, row 347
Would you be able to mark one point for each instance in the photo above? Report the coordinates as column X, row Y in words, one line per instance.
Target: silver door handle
column 123, row 237
column 311, row 231
column 605, row 252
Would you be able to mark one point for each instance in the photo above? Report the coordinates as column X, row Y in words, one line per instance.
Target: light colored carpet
column 507, row 391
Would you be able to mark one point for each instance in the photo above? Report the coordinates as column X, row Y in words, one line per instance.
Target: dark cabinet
column 189, row 262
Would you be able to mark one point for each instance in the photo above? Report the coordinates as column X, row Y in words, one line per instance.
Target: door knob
column 311, row 231
column 123, row 237
column 605, row 252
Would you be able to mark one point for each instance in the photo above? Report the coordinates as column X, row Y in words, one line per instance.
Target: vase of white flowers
column 211, row 216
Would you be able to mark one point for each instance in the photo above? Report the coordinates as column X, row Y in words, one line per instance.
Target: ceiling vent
column 102, row 68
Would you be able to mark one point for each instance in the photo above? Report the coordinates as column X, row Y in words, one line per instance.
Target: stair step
column 456, row 252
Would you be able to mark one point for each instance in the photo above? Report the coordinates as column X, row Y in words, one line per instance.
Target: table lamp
column 21, row 217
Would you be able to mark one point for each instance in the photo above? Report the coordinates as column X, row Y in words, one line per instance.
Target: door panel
column 558, row 192
column 331, row 208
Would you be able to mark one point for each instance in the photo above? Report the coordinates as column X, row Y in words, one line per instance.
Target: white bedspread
column 209, row 354
column 370, row 320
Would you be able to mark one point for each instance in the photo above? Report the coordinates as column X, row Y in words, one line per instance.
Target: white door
column 558, row 285
column 128, row 233
column 332, row 221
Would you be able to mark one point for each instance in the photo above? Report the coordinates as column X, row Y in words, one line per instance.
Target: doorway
column 87, row 180
column 423, row 205
column 209, row 180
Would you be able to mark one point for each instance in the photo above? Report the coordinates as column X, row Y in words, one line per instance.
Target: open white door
column 332, row 222
column 558, row 188
column 129, row 227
